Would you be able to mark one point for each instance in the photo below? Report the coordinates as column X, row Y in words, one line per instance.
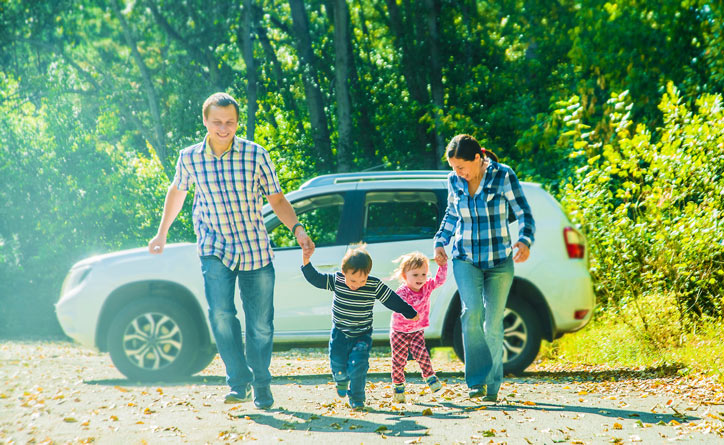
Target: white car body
column 555, row 287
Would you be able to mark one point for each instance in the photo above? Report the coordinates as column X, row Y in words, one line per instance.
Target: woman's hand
column 440, row 256
column 522, row 252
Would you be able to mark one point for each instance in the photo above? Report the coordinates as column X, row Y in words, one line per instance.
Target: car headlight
column 74, row 278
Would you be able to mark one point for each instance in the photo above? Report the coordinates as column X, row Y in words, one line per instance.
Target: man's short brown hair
column 357, row 260
column 220, row 100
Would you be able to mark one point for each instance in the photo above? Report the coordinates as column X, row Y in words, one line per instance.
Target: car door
column 301, row 310
column 396, row 222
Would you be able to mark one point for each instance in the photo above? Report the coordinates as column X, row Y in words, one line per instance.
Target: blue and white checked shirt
column 228, row 200
column 478, row 224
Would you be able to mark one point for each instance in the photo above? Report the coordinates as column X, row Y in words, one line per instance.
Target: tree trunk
column 151, row 96
column 246, row 37
column 436, row 87
column 342, row 70
column 315, row 100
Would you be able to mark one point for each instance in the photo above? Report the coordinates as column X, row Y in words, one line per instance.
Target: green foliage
column 650, row 204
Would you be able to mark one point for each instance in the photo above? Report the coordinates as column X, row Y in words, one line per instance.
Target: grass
column 610, row 341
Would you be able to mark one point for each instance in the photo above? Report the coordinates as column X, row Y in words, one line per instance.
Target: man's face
column 221, row 123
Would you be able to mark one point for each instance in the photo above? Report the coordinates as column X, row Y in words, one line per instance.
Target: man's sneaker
column 491, row 398
column 477, row 391
column 263, row 398
column 342, row 388
column 239, row 395
column 357, row 405
column 398, row 395
column 434, row 383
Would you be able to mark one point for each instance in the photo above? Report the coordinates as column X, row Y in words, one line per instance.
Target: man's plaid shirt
column 478, row 224
column 228, row 200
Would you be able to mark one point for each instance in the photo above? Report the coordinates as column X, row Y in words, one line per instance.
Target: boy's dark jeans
column 349, row 360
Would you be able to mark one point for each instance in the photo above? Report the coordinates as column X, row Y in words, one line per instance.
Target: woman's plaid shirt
column 478, row 224
column 228, row 200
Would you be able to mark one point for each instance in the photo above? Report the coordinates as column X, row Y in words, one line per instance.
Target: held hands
column 521, row 252
column 440, row 256
column 156, row 245
column 416, row 318
column 305, row 242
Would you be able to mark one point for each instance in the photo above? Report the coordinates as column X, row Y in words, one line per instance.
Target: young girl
column 409, row 334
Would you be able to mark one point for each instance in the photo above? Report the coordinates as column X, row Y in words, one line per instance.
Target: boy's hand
column 305, row 259
column 416, row 318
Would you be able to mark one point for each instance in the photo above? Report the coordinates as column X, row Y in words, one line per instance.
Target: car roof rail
column 397, row 175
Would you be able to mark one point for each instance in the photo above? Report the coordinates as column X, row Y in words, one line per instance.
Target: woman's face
column 466, row 169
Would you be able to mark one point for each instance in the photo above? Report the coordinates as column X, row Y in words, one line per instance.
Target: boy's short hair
column 219, row 100
column 356, row 260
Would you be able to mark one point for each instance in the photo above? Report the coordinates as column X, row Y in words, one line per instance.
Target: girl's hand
column 440, row 256
column 522, row 252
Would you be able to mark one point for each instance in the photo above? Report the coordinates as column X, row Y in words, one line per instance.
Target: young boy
column 355, row 293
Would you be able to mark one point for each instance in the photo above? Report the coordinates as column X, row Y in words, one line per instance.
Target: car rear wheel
column 521, row 338
column 154, row 339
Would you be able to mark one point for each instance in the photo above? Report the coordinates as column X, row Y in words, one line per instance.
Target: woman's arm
column 513, row 193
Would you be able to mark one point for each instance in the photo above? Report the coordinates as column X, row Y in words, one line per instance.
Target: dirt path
column 61, row 393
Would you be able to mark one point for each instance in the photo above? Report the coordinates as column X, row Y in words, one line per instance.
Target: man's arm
column 171, row 207
column 288, row 217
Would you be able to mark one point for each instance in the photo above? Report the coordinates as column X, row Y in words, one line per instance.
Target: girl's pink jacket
column 418, row 300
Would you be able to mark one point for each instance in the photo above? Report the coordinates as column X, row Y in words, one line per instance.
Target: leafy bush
column 651, row 204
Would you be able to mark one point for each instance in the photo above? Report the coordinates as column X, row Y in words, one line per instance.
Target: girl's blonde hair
column 409, row 261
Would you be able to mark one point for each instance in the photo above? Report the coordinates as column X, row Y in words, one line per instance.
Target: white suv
column 150, row 313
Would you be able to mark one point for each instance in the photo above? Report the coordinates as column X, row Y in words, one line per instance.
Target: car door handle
column 326, row 266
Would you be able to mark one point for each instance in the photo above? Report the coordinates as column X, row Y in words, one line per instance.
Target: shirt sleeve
column 513, row 193
column 393, row 301
column 316, row 279
column 183, row 178
column 268, row 181
column 450, row 220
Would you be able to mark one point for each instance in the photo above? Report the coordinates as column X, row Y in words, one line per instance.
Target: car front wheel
column 154, row 339
column 521, row 338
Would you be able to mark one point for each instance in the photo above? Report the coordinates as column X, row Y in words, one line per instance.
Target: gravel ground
column 57, row 392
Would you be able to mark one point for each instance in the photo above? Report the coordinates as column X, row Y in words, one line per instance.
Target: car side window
column 400, row 215
column 320, row 215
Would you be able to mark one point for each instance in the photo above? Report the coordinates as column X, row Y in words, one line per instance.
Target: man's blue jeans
column 349, row 359
column 483, row 294
column 257, row 297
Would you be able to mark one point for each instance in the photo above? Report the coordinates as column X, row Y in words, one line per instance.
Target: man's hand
column 522, row 252
column 305, row 242
column 440, row 256
column 156, row 245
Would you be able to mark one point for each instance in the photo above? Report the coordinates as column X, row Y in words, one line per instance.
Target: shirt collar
column 204, row 148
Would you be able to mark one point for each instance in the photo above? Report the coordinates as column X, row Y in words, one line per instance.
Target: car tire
column 154, row 340
column 203, row 359
column 521, row 339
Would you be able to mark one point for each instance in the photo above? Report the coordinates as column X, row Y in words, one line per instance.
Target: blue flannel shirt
column 478, row 224
column 228, row 201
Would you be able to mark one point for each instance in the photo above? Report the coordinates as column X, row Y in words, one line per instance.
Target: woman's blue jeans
column 349, row 358
column 257, row 298
column 483, row 294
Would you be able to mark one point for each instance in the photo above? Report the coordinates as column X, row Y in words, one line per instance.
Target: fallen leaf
column 427, row 412
column 617, row 426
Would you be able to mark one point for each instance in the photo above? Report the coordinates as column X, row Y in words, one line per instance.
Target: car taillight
column 580, row 314
column 575, row 243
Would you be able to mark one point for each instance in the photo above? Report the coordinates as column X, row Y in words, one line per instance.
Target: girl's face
column 416, row 278
column 466, row 169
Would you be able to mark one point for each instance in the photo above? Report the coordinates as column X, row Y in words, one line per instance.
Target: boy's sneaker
column 239, row 395
column 357, row 405
column 342, row 388
column 434, row 383
column 399, row 394
column 477, row 391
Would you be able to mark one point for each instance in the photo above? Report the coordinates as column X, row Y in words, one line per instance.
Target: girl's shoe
column 434, row 383
column 342, row 388
column 399, row 394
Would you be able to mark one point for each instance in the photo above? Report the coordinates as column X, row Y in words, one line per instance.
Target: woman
column 476, row 220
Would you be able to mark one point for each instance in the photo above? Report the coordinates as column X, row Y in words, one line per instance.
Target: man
column 231, row 176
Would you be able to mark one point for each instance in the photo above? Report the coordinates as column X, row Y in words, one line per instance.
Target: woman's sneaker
column 477, row 391
column 398, row 396
column 357, row 405
column 434, row 383
column 239, row 395
column 342, row 388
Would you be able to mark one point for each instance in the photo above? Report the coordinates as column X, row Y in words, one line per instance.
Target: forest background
column 614, row 106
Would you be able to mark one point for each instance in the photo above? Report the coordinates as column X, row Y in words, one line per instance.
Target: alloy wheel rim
column 152, row 341
column 515, row 335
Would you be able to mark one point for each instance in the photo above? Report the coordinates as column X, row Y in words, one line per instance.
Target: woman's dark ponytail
column 465, row 147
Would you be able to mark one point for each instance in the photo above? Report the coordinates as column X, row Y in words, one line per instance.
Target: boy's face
column 355, row 279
